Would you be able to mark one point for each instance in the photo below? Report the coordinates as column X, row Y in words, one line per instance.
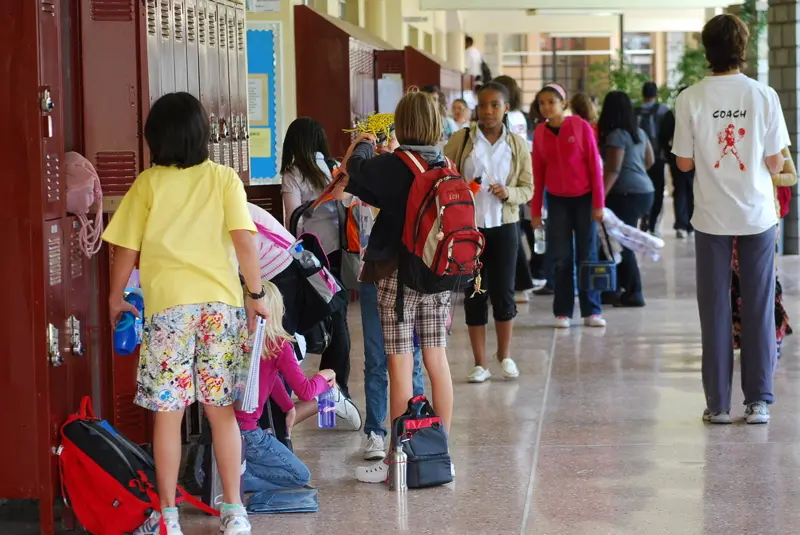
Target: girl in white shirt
column 305, row 172
column 500, row 166
column 461, row 115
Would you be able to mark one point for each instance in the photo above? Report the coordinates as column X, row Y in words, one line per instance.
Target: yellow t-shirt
column 180, row 221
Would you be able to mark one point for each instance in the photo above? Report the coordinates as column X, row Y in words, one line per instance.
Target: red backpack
column 107, row 480
column 441, row 243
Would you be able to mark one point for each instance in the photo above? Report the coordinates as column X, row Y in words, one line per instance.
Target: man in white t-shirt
column 472, row 58
column 731, row 130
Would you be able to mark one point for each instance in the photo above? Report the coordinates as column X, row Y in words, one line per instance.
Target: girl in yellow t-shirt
column 186, row 220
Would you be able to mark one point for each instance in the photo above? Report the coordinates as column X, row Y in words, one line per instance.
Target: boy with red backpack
column 423, row 246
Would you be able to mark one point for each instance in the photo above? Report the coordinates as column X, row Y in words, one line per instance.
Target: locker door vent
column 222, row 36
column 75, row 252
column 231, row 34
column 52, row 174
column 178, row 21
column 128, row 418
column 201, row 26
column 240, row 31
column 49, row 7
column 212, row 29
column 165, row 19
column 151, row 17
column 191, row 31
column 117, row 171
column 54, row 257
column 112, row 10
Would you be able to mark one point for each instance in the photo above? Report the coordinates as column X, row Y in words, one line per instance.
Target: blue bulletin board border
column 264, row 62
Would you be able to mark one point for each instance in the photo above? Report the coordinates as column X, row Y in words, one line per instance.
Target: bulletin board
column 264, row 104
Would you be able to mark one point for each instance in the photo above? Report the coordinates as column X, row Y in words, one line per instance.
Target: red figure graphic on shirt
column 728, row 139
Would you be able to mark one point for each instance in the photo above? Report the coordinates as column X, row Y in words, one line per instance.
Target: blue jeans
column 376, row 382
column 270, row 464
column 570, row 222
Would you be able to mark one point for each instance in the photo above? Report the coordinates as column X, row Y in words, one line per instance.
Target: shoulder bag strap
column 416, row 164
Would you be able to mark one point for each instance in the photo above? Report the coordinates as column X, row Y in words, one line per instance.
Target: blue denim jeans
column 376, row 382
column 571, row 240
column 270, row 464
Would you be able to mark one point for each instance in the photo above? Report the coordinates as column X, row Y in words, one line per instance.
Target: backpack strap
column 277, row 239
column 416, row 164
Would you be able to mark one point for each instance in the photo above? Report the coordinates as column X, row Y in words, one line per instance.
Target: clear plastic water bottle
column 539, row 240
column 128, row 332
column 326, row 404
column 306, row 258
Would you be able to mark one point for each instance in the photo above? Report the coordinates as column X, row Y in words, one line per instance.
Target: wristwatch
column 256, row 296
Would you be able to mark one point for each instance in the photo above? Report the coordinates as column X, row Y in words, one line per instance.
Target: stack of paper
column 248, row 400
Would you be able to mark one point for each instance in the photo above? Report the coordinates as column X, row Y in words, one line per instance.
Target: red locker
column 224, row 106
column 242, row 123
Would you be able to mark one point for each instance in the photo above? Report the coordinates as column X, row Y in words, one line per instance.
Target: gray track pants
column 757, row 276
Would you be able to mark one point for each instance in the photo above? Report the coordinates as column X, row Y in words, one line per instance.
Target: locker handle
column 76, row 344
column 224, row 131
column 214, row 129
column 53, row 350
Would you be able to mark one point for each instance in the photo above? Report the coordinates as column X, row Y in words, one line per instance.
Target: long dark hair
column 305, row 137
column 514, row 92
column 617, row 113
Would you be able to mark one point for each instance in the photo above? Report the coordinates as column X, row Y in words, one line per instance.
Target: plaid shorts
column 427, row 312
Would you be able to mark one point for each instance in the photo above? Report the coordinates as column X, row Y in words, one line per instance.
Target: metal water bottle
column 398, row 463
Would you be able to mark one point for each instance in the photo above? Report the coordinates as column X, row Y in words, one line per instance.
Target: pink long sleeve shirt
column 567, row 164
column 270, row 385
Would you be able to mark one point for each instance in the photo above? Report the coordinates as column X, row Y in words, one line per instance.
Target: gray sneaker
column 757, row 413
column 716, row 417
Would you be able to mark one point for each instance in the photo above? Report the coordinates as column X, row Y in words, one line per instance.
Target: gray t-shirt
column 633, row 176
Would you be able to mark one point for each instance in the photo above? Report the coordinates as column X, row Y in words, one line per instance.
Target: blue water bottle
column 326, row 417
column 128, row 332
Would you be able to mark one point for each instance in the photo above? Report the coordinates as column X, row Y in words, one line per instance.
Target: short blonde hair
column 275, row 335
column 417, row 120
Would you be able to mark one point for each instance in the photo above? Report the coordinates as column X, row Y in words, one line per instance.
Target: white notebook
column 248, row 400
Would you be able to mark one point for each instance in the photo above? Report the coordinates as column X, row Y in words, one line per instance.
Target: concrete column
column 455, row 50
column 659, row 40
column 375, row 17
column 393, row 20
column 440, row 45
column 784, row 36
column 329, row 7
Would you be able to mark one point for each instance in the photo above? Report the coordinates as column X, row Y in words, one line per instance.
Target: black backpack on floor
column 425, row 443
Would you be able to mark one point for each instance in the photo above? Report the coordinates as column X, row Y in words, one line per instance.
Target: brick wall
column 783, row 38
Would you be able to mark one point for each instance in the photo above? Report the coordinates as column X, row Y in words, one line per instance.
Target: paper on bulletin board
column 257, row 99
column 390, row 91
column 264, row 6
column 260, row 142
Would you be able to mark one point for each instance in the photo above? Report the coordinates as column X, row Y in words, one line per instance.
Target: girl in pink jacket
column 566, row 163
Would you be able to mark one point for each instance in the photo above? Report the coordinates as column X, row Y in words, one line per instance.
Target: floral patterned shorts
column 191, row 352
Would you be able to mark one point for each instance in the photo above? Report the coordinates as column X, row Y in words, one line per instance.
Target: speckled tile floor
column 601, row 434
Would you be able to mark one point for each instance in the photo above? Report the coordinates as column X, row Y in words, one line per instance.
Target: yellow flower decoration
column 378, row 124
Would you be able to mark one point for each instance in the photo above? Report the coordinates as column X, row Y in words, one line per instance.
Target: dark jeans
column 684, row 197
column 497, row 277
column 630, row 208
column 570, row 218
column 337, row 356
column 536, row 264
column 657, row 175
column 522, row 278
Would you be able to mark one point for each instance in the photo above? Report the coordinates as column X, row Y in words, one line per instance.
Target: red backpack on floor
column 441, row 243
column 107, row 480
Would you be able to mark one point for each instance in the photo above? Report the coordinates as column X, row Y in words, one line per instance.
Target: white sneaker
column 522, row 297
column 757, row 413
column 510, row 370
column 452, row 469
column 717, row 417
column 375, row 450
column 479, row 374
column 538, row 283
column 377, row 473
column 172, row 522
column 562, row 323
column 594, row 321
column 234, row 521
column 347, row 413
